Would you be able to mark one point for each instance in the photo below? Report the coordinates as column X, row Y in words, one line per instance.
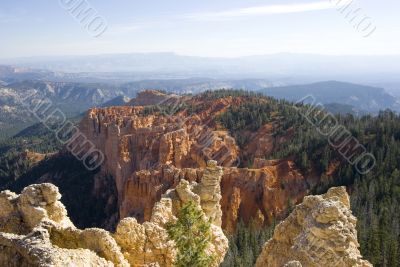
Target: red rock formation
column 259, row 194
column 150, row 97
column 149, row 153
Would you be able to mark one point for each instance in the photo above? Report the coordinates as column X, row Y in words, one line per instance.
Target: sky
column 208, row 28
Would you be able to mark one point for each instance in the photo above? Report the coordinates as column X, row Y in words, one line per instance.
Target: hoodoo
column 36, row 231
column 321, row 231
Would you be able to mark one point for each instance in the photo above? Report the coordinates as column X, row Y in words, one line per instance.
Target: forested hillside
column 375, row 196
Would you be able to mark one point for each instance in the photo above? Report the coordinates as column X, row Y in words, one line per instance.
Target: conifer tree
column 191, row 233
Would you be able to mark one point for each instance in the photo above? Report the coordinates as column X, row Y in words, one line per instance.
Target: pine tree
column 191, row 233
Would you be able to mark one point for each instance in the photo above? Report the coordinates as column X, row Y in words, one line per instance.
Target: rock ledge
column 36, row 231
column 319, row 232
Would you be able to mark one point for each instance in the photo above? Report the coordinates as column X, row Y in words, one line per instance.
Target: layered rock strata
column 35, row 229
column 319, row 232
column 149, row 153
column 247, row 194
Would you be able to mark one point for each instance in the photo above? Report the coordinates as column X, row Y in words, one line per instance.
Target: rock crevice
column 36, row 231
column 319, row 232
column 149, row 153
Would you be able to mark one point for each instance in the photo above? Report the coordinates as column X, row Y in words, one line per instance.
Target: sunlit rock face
column 321, row 231
column 36, row 231
column 148, row 153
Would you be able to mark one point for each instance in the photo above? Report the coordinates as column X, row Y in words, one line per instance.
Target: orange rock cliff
column 148, row 151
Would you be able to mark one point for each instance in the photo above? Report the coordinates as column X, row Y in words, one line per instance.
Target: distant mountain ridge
column 117, row 101
column 282, row 64
column 11, row 74
column 71, row 98
column 361, row 97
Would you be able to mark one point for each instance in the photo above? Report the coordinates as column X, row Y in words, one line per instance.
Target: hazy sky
column 202, row 28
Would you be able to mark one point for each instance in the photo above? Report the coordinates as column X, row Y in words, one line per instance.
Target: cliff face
column 35, row 229
column 319, row 232
column 148, row 153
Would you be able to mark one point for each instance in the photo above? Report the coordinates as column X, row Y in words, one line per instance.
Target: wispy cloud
column 269, row 10
column 227, row 15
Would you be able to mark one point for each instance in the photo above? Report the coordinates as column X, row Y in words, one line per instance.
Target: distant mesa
column 115, row 102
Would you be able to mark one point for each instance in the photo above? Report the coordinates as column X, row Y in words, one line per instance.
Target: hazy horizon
column 195, row 56
column 223, row 29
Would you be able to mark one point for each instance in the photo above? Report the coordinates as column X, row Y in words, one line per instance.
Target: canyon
column 36, row 231
column 160, row 154
column 149, row 149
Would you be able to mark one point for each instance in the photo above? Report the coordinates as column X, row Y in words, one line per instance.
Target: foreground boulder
column 319, row 232
column 35, row 229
